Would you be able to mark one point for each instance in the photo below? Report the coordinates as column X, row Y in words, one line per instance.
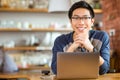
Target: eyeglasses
column 76, row 18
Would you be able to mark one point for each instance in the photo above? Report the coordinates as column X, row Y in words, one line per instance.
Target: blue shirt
column 99, row 39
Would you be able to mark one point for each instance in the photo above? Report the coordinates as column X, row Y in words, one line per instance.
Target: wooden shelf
column 20, row 48
column 9, row 29
column 35, row 68
column 98, row 11
column 36, row 29
column 23, row 10
column 45, row 10
column 27, row 48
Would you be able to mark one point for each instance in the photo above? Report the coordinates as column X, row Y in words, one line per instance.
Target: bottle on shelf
column 4, row 3
column 97, row 4
column 31, row 4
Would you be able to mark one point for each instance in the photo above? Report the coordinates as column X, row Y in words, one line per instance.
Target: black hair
column 81, row 4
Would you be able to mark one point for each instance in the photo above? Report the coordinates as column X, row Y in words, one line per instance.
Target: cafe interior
column 28, row 29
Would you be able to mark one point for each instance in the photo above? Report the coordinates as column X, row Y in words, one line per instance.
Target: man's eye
column 75, row 17
column 85, row 17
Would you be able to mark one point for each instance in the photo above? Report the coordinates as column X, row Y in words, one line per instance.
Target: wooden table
column 109, row 76
column 37, row 76
column 29, row 75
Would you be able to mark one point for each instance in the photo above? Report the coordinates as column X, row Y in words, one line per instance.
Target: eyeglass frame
column 77, row 18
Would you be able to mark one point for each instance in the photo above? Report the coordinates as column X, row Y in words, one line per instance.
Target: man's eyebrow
column 76, row 15
column 86, row 15
column 81, row 16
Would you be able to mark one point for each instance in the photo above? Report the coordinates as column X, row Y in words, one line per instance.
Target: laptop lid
column 77, row 65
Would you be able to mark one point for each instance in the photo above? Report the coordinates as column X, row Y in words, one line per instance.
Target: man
column 83, row 39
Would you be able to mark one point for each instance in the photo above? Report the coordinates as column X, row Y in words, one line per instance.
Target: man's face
column 81, row 20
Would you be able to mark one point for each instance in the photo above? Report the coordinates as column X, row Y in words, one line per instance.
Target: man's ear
column 92, row 21
column 70, row 20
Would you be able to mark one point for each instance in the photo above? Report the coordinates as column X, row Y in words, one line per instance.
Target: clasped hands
column 81, row 40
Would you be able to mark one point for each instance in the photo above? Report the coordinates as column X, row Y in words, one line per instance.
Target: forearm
column 104, row 68
column 101, row 61
column 104, row 63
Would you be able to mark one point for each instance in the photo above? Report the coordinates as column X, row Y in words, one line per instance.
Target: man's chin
column 81, row 31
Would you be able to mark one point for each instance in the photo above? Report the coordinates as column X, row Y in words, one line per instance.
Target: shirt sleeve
column 105, row 54
column 58, row 47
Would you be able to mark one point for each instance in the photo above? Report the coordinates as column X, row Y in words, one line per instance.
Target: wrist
column 94, row 49
column 73, row 47
column 91, row 49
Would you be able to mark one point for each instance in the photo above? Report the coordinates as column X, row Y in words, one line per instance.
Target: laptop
column 77, row 65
